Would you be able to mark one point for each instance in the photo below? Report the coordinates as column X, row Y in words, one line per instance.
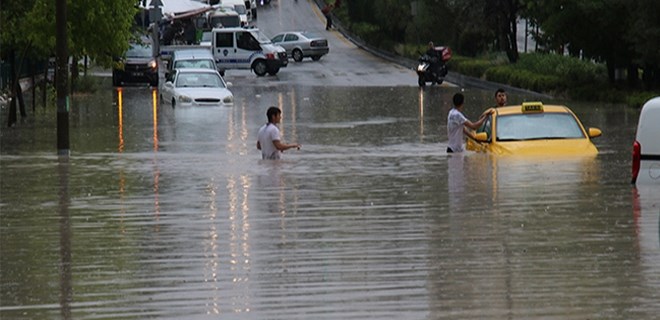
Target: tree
column 101, row 29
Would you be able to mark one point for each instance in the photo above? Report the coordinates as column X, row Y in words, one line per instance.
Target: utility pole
column 61, row 81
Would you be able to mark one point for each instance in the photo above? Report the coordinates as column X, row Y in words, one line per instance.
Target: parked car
column 534, row 129
column 302, row 44
column 138, row 65
column 196, row 88
column 646, row 148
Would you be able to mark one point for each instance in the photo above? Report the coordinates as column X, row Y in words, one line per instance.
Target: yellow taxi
column 533, row 129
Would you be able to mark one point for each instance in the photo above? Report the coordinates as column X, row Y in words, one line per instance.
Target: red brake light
column 636, row 159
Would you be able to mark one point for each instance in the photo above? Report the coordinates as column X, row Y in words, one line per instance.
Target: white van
column 239, row 7
column 241, row 48
column 646, row 148
column 238, row 48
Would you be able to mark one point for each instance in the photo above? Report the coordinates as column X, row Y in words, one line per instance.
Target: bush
column 638, row 99
column 367, row 31
column 523, row 78
column 473, row 68
column 86, row 84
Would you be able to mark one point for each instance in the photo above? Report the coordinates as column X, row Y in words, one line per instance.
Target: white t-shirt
column 455, row 122
column 267, row 134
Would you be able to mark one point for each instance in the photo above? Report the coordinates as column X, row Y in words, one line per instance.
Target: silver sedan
column 196, row 88
column 302, row 44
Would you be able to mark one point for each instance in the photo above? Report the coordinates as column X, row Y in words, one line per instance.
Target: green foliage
column 86, row 84
column 369, row 32
column 471, row 67
column 522, row 78
column 638, row 99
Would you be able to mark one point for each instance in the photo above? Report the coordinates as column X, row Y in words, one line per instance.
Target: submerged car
column 533, row 129
column 196, row 88
column 646, row 147
column 137, row 66
column 302, row 44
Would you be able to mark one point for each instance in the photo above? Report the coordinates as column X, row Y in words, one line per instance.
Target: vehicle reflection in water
column 646, row 219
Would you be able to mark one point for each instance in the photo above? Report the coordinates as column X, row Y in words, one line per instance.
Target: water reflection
column 170, row 213
column 65, row 267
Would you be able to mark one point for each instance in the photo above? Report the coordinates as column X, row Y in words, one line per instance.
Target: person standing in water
column 457, row 123
column 268, row 138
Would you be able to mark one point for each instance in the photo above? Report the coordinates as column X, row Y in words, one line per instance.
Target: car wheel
column 274, row 71
column 259, row 67
column 316, row 58
column 115, row 80
column 297, row 55
column 421, row 81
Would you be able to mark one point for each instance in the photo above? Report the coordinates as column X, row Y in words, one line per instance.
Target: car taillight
column 636, row 159
column 315, row 43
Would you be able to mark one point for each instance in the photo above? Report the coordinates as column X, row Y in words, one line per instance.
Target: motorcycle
column 433, row 68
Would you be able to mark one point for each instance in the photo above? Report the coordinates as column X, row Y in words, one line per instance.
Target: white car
column 196, row 88
column 646, row 148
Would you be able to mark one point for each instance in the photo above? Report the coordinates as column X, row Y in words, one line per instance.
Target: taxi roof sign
column 536, row 106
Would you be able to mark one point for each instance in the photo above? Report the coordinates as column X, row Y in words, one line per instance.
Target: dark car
column 301, row 44
column 137, row 66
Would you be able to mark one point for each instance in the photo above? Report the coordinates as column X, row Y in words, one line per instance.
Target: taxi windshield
column 534, row 126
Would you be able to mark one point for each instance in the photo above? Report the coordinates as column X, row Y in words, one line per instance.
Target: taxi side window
column 486, row 127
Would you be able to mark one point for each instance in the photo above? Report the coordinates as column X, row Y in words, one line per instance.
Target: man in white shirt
column 268, row 139
column 457, row 123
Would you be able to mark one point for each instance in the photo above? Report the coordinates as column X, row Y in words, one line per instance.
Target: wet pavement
column 164, row 213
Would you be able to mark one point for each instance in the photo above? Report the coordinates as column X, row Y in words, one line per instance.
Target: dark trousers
column 328, row 22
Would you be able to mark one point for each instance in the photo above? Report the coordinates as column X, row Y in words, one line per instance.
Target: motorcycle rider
column 435, row 59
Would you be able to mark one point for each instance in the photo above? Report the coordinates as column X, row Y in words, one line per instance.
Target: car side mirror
column 594, row 132
column 481, row 137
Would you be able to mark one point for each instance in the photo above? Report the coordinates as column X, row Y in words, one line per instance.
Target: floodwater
column 164, row 213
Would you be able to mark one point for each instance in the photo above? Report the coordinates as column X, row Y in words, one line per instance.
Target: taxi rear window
column 536, row 126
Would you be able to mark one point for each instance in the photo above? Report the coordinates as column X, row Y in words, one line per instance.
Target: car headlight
column 153, row 64
column 185, row 99
column 228, row 100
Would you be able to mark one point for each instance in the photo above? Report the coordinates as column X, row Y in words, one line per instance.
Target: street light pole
column 61, row 81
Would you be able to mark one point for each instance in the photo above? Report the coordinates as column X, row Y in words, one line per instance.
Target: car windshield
column 196, row 80
column 517, row 127
column 139, row 51
column 260, row 36
column 240, row 9
column 195, row 63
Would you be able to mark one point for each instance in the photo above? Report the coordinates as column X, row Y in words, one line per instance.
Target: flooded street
column 164, row 213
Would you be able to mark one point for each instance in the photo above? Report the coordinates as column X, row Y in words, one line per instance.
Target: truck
column 239, row 48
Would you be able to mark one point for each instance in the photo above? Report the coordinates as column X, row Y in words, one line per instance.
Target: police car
column 533, row 129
